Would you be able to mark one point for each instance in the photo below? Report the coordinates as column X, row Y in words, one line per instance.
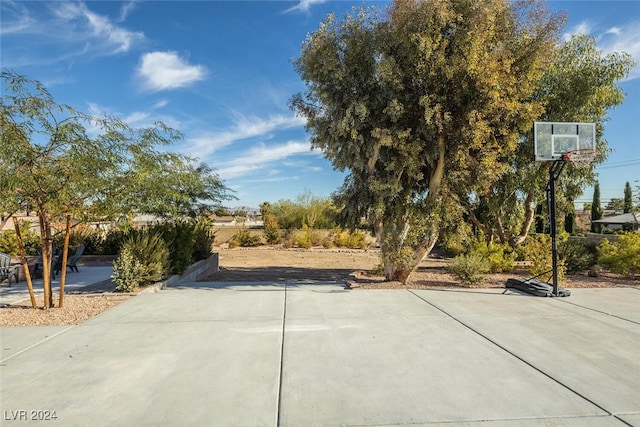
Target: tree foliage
column 58, row 161
column 596, row 207
column 579, row 86
column 418, row 103
column 628, row 198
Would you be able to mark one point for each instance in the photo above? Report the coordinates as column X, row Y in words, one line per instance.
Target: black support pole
column 554, row 174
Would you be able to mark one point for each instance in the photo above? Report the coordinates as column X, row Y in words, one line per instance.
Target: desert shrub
column 114, row 240
column 128, row 272
column 577, row 255
column 30, row 240
column 244, row 238
column 469, row 268
column 536, row 249
column 271, row 229
column 327, row 242
column 623, row 256
column 144, row 259
column 204, row 237
column 350, row 239
column 179, row 237
column 500, row 256
column 304, row 238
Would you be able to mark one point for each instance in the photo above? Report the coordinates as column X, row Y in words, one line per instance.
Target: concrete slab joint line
column 540, row 370
column 280, row 367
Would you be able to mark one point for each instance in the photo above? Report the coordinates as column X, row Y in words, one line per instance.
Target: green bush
column 144, row 259
column 179, row 236
column 577, row 255
column 203, row 239
column 128, row 272
column 271, row 229
column 114, row 240
column 469, row 268
column 500, row 256
column 30, row 240
column 244, row 238
column 536, row 249
column 623, row 256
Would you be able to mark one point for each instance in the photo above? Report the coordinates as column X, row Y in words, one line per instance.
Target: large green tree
column 579, row 86
column 51, row 164
column 417, row 102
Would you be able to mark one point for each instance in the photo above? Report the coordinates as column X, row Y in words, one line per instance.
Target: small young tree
column 596, row 208
column 628, row 198
column 51, row 164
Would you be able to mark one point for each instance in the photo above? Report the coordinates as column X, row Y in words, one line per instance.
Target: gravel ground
column 75, row 310
column 279, row 264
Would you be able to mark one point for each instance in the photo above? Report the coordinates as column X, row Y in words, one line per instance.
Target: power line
column 620, row 164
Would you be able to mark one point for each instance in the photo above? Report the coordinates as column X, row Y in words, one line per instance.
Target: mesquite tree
column 418, row 102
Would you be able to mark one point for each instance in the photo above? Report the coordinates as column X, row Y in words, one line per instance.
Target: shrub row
column 622, row 256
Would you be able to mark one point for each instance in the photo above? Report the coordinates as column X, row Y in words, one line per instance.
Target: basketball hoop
column 580, row 158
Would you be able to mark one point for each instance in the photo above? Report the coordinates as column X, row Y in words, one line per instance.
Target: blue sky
column 221, row 73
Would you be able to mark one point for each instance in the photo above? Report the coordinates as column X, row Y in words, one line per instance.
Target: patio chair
column 72, row 261
column 7, row 271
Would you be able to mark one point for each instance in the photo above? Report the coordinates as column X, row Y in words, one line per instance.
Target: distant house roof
column 628, row 218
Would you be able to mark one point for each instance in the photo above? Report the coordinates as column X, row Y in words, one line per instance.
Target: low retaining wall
column 196, row 271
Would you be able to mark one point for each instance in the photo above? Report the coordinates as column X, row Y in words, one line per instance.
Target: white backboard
column 553, row 139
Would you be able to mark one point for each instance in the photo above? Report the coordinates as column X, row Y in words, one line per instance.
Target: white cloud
column 304, row 6
column 125, row 10
column 160, row 104
column 166, row 70
column 15, row 18
column 82, row 22
column 52, row 32
column 262, row 157
column 581, row 28
column 243, row 128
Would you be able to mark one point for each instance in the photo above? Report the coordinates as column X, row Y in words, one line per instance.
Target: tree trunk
column 46, row 240
column 25, row 265
column 63, row 268
column 528, row 221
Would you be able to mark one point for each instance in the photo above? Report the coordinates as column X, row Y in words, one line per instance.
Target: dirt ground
column 355, row 267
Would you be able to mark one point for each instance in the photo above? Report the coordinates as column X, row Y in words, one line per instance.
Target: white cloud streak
column 243, row 128
column 304, row 6
column 166, row 70
column 62, row 31
column 113, row 38
column 262, row 157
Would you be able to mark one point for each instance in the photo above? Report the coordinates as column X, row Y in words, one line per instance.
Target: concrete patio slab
column 404, row 366
column 291, row 354
column 588, row 351
column 158, row 359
